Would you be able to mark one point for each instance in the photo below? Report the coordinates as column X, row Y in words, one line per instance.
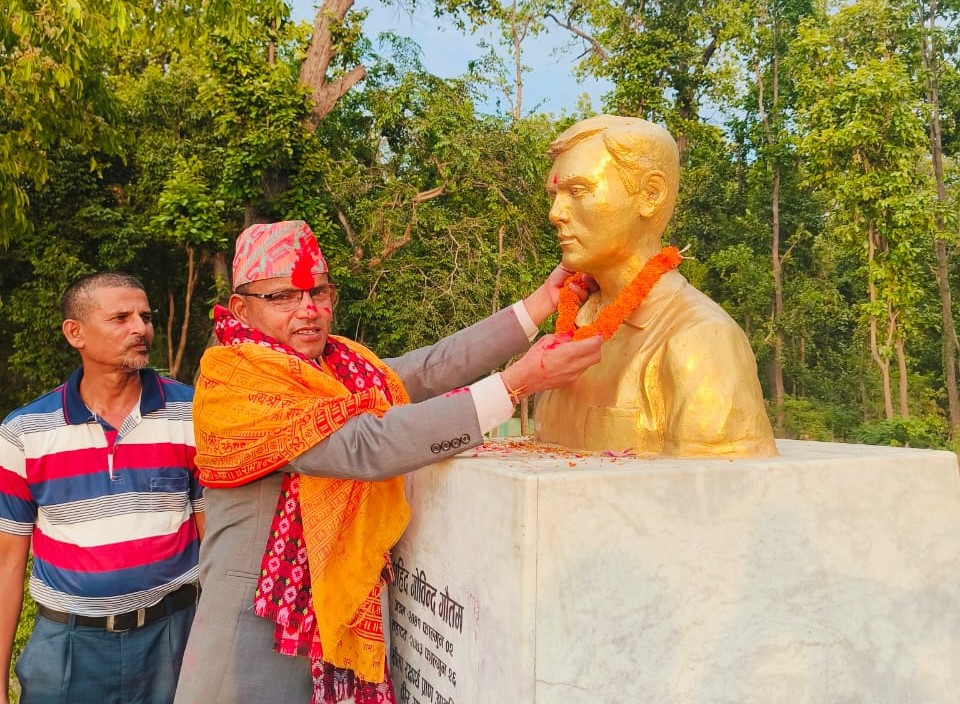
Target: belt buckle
column 112, row 621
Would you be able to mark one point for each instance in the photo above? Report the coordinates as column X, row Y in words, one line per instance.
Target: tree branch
column 594, row 44
column 390, row 247
column 322, row 49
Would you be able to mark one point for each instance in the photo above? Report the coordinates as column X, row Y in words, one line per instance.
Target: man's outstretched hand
column 543, row 302
column 552, row 362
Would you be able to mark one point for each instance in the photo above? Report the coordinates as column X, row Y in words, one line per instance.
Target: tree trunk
column 524, row 416
column 223, row 287
column 313, row 70
column 948, row 340
column 902, row 381
column 518, row 34
column 884, row 367
column 175, row 358
column 221, row 278
column 776, row 370
column 882, row 364
column 778, row 391
column 864, row 399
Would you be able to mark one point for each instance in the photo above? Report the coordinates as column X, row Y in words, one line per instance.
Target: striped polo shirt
column 109, row 510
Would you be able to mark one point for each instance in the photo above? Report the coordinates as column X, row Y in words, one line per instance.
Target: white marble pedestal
column 830, row 574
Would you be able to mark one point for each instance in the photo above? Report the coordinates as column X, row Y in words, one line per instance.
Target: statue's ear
column 653, row 192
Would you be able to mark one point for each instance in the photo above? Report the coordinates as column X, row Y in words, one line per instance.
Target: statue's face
column 596, row 219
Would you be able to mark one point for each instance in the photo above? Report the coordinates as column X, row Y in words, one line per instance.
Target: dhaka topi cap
column 278, row 250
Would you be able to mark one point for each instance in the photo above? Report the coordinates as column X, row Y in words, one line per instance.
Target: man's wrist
column 515, row 393
column 530, row 328
column 491, row 402
column 514, row 383
column 539, row 305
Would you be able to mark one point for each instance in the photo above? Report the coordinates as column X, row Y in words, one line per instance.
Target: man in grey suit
column 285, row 413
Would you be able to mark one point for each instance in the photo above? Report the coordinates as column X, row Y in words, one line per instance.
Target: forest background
column 818, row 193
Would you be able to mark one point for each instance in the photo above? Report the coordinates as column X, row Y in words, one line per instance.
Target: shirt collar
column 75, row 411
column 662, row 293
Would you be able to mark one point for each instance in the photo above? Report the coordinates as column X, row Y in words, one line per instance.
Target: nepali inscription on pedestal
column 425, row 624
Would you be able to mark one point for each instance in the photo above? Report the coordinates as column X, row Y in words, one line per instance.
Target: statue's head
column 613, row 183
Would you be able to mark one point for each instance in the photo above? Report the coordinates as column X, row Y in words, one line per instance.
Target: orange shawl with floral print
column 255, row 409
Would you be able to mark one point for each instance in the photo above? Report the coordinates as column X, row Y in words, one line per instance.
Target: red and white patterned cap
column 278, row 250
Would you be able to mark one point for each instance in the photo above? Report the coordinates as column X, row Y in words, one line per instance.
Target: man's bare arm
column 13, row 566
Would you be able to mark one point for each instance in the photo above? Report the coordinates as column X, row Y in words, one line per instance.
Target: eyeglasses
column 289, row 299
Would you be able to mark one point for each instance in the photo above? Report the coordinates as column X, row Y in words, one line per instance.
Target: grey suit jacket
column 433, row 426
column 229, row 657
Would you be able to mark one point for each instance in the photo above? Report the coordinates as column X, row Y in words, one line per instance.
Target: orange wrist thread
column 514, row 394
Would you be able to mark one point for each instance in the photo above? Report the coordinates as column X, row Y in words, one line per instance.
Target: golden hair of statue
column 679, row 377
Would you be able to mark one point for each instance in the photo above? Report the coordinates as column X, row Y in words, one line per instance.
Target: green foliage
column 257, row 111
column 822, row 422
column 77, row 228
column 864, row 139
column 744, row 284
column 187, row 213
column 923, row 432
column 53, row 65
column 502, row 67
column 445, row 212
column 663, row 58
column 24, row 628
column 432, row 215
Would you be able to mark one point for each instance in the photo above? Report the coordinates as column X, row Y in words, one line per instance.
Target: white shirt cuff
column 492, row 402
column 525, row 320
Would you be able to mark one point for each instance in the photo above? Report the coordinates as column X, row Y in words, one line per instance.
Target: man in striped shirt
column 99, row 475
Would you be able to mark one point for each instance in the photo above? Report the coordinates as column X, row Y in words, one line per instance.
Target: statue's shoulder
column 677, row 304
column 702, row 333
column 703, row 310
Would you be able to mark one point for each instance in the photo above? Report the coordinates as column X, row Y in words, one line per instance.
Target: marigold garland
column 630, row 298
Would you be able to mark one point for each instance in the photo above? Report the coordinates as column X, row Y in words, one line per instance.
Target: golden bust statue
column 678, row 377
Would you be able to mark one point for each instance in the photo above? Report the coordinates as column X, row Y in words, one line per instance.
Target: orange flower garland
column 630, row 298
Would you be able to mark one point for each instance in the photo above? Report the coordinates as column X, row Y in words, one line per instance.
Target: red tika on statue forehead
column 308, row 254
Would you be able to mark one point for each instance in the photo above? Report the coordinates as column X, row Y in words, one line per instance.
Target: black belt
column 174, row 601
